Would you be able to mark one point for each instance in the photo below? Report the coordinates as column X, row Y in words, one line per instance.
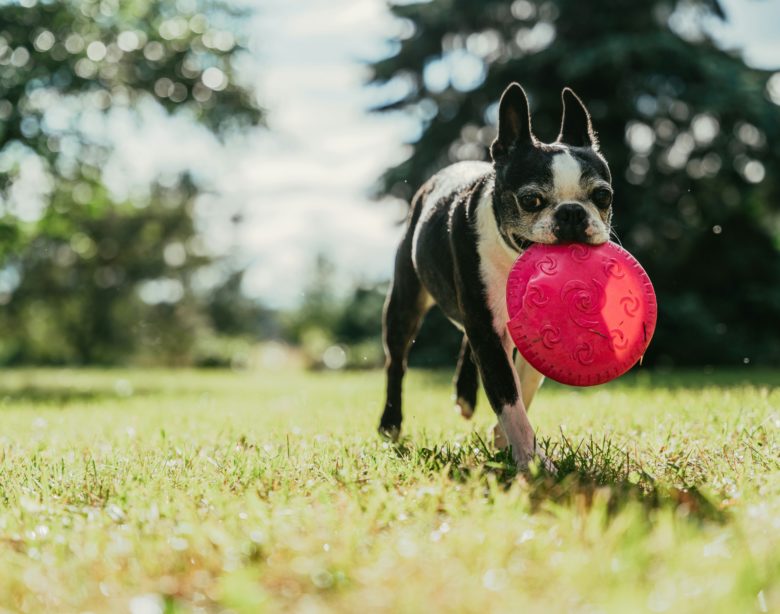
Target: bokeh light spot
column 214, row 79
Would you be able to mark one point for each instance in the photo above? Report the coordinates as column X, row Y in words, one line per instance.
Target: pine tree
column 690, row 131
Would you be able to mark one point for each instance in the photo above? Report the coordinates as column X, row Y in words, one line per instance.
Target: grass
column 153, row 491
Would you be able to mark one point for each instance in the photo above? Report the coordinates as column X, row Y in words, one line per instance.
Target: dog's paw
column 464, row 408
column 499, row 438
column 391, row 432
column 538, row 459
column 546, row 463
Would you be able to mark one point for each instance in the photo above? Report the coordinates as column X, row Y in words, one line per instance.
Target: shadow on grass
column 62, row 395
column 697, row 379
column 586, row 470
column 656, row 379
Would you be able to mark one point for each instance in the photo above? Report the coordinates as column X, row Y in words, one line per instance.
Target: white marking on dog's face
column 567, row 176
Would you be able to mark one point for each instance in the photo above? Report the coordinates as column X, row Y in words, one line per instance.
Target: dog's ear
column 576, row 126
column 514, row 121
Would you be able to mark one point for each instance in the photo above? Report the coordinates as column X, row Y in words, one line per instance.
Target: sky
column 323, row 151
column 302, row 185
column 754, row 27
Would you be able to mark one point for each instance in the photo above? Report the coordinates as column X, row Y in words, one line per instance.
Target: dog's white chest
column 496, row 260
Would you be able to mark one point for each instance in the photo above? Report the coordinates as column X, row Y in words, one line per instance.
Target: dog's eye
column 601, row 197
column 532, row 202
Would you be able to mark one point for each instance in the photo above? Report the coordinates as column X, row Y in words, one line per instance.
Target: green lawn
column 160, row 491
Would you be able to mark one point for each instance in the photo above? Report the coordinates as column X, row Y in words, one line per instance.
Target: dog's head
column 557, row 192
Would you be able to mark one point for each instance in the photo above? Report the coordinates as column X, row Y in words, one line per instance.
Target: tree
column 689, row 130
column 96, row 283
column 90, row 278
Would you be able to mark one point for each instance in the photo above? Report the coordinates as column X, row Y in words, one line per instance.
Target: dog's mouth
column 521, row 243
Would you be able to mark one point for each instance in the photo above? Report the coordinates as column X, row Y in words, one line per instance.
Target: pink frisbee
column 579, row 314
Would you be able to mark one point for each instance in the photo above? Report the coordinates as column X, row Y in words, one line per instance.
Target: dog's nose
column 572, row 220
column 570, row 214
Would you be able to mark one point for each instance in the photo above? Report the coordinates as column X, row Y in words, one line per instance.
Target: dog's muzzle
column 571, row 222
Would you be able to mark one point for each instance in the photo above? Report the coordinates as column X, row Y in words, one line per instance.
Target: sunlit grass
column 155, row 491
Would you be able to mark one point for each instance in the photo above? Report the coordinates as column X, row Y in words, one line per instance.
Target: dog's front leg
column 502, row 387
column 470, row 224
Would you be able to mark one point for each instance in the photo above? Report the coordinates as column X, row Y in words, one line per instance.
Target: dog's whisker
column 614, row 233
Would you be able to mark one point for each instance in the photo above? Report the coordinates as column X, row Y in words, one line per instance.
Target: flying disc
column 580, row 314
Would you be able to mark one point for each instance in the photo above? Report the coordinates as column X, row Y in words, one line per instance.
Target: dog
column 466, row 227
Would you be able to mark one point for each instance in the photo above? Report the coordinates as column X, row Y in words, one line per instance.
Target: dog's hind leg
column 530, row 380
column 466, row 381
column 407, row 301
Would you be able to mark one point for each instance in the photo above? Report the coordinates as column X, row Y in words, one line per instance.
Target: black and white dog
column 466, row 227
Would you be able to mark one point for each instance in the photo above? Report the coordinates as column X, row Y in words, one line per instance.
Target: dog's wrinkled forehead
column 557, row 167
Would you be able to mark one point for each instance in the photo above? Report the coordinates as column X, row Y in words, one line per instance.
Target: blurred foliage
column 352, row 324
column 105, row 284
column 346, row 328
column 115, row 53
column 233, row 313
column 77, row 298
column 691, row 134
column 91, row 278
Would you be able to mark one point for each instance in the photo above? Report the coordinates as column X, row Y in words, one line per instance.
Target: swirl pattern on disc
column 579, row 314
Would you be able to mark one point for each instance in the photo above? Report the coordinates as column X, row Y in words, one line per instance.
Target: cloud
column 301, row 186
column 306, row 183
column 753, row 28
